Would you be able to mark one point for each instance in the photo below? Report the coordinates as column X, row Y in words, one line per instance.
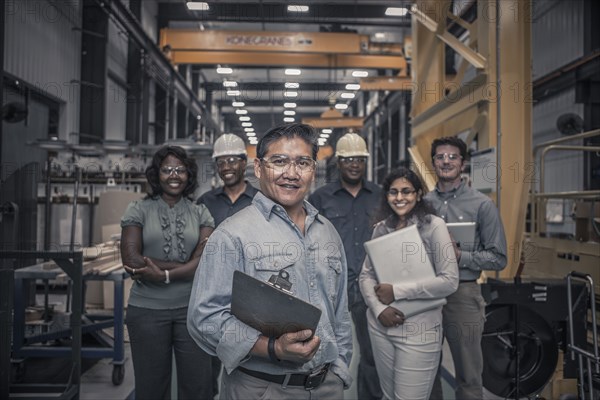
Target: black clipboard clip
column 281, row 281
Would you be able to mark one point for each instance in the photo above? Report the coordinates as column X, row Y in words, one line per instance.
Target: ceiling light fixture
column 289, row 112
column 324, row 135
column 251, row 134
column 352, row 86
column 241, row 112
column 246, row 124
column 289, row 105
column 396, row 11
column 229, row 83
column 292, row 85
column 327, row 130
column 290, row 94
column 347, row 95
column 233, row 93
column 224, row 70
column 197, row 5
column 340, row 106
column 248, row 129
column 360, row 74
column 297, row 8
column 289, row 119
column 293, row 71
column 243, row 119
column 238, row 104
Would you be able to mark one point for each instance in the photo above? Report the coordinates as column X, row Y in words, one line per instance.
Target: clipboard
column 269, row 309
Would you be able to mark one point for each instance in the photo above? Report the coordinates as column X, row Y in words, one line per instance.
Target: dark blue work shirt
column 220, row 205
column 352, row 217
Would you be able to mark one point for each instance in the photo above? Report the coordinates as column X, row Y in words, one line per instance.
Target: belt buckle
column 315, row 378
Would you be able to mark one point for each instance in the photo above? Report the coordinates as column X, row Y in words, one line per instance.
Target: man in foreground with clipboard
column 279, row 232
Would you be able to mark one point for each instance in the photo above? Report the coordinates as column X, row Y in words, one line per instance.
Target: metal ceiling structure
column 259, row 40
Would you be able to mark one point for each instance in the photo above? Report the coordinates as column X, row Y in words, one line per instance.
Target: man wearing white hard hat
column 349, row 203
column 230, row 157
column 236, row 193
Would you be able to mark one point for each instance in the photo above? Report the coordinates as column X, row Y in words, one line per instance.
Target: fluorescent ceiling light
column 347, row 95
column 340, row 106
column 246, row 124
column 229, row 83
column 251, row 134
column 293, row 71
column 197, row 5
column 327, row 130
column 324, row 135
column 289, row 119
column 396, row 11
column 241, row 112
column 289, row 112
column 289, row 105
column 248, row 129
column 292, row 85
column 233, row 93
column 224, row 70
column 290, row 94
column 360, row 74
column 238, row 104
column 297, row 8
column 352, row 86
column 243, row 119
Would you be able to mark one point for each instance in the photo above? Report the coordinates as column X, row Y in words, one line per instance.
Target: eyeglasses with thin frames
column 177, row 170
column 405, row 192
column 350, row 160
column 282, row 163
column 450, row 156
column 228, row 161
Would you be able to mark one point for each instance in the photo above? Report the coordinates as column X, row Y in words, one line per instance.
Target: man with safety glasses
column 236, row 193
column 464, row 314
column 349, row 203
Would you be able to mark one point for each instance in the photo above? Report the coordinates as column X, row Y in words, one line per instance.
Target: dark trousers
column 367, row 381
column 156, row 335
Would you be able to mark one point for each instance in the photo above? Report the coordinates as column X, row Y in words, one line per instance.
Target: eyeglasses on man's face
column 170, row 170
column 404, row 192
column 350, row 160
column 450, row 156
column 282, row 163
column 221, row 162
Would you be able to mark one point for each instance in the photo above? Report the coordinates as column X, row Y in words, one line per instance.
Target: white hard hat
column 229, row 145
column 351, row 145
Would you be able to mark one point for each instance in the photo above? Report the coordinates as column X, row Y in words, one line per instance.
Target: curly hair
column 153, row 170
column 422, row 210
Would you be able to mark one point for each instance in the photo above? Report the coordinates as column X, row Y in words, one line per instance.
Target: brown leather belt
column 308, row 381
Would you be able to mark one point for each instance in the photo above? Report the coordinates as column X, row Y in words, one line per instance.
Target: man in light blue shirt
column 279, row 231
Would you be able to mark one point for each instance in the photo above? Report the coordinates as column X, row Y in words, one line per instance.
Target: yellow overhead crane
column 305, row 49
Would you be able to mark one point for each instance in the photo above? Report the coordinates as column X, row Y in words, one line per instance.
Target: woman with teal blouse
column 162, row 240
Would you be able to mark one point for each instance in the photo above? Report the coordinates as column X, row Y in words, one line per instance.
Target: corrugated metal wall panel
column 561, row 23
column 563, row 169
column 42, row 49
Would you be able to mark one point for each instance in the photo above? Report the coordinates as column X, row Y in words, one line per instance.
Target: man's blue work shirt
column 261, row 240
column 351, row 216
column 220, row 205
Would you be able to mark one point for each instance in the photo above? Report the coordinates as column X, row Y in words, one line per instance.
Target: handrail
column 557, row 144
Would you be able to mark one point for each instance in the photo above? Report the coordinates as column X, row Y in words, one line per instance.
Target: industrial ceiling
column 258, row 41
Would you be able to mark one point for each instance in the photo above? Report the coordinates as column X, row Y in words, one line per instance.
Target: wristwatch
column 167, row 280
